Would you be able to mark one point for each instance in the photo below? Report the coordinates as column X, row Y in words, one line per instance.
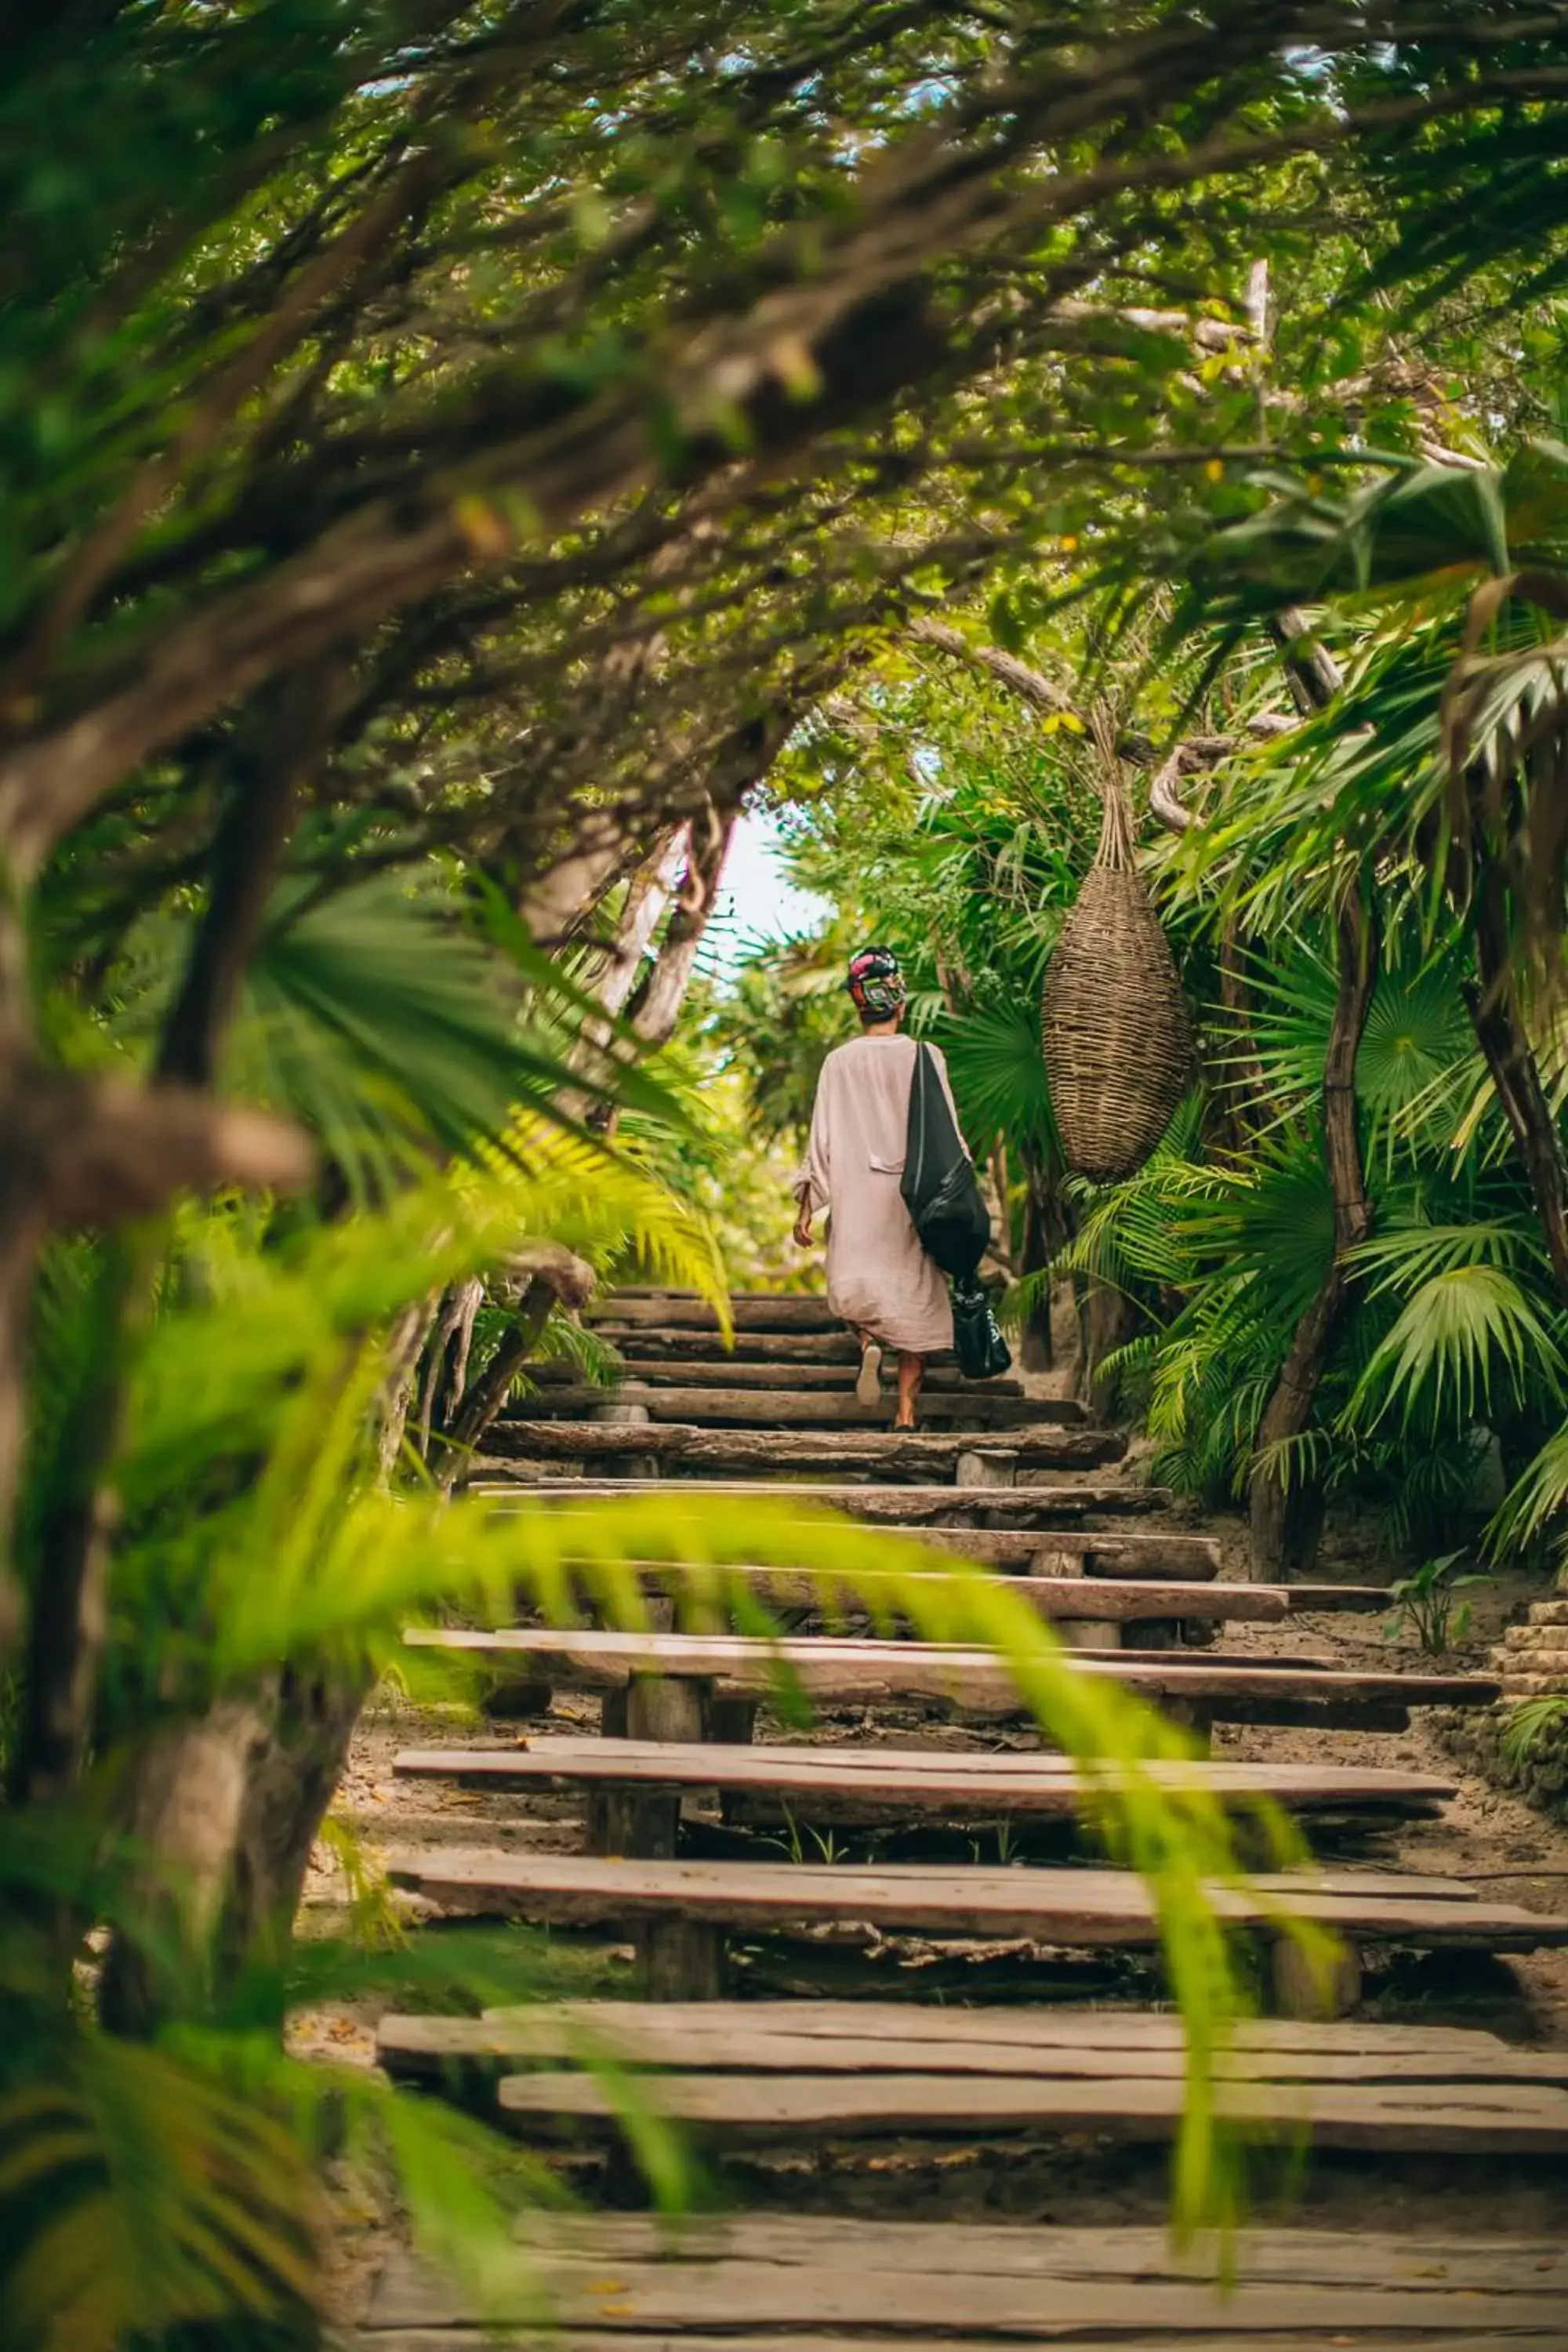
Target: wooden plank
column 810, row 2023
column 743, row 2301
column 824, row 1665
column 1070, row 1907
column 743, row 2339
column 1277, row 2256
column 833, row 1378
column 774, row 1409
column 424, row 2047
column 749, row 1311
column 1476, row 2119
column 1115, row 1601
column 905, row 1506
column 1134, row 1552
column 917, row 1778
column 922, row 1454
column 642, row 1343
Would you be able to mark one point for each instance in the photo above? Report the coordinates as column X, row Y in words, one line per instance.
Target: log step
column 680, row 1449
column 1112, row 1600
column 915, row 1506
column 759, row 1311
column 1089, row 1909
column 739, row 1407
column 1054, row 1551
column 975, row 1679
column 812, row 2282
column 832, row 1379
column 916, row 1782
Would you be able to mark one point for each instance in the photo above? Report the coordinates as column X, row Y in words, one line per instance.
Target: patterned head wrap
column 876, row 983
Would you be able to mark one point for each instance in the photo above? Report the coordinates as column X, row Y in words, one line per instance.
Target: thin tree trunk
column 455, row 1445
column 656, row 1010
column 68, row 1625
column 1493, row 1003
column 188, row 1800
column 1286, row 1515
column 1044, row 1230
column 290, row 1775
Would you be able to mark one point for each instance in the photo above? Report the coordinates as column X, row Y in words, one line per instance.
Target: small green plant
column 1427, row 1604
column 1527, row 1725
column 793, row 1843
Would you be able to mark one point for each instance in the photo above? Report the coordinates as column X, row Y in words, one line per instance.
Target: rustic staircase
column 1032, row 1494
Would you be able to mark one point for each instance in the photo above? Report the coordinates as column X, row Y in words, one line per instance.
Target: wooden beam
column 1089, row 1908
column 920, row 1780
column 824, row 1666
column 911, row 1506
column 892, row 1453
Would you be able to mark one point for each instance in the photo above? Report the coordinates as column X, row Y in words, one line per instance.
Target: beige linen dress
column 878, row 1277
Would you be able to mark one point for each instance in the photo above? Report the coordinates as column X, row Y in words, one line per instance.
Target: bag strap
column 916, row 1122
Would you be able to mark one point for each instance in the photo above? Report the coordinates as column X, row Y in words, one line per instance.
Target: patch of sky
column 759, row 899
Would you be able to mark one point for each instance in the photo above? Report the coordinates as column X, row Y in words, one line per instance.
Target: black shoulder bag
column 948, row 1210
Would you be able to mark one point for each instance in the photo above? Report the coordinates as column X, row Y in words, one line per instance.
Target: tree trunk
column 1493, row 1003
column 188, row 1800
column 656, row 1010
column 1286, row 1515
column 1108, row 1318
column 290, row 1774
column 1036, row 1250
column 478, row 1409
column 69, row 1611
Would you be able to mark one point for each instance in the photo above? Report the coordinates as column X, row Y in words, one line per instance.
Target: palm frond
column 1464, row 1336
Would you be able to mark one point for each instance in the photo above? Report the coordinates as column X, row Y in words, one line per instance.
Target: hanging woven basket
column 1117, row 1039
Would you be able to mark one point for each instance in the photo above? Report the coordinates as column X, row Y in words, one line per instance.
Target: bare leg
column 912, row 1372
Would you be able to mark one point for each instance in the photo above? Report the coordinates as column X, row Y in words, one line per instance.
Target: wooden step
column 679, row 1449
column 1059, row 1550
column 910, row 1507
column 829, row 2037
column 757, row 1310
column 759, row 2069
column 917, row 1781
column 812, row 2282
column 1088, row 1909
column 639, row 1344
column 977, row 1680
column 831, row 1378
column 1111, row 1601
column 785, row 1408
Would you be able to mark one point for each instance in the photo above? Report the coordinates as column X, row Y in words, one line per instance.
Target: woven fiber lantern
column 1118, row 1040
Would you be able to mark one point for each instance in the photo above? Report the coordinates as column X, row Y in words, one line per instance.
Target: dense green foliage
column 449, row 458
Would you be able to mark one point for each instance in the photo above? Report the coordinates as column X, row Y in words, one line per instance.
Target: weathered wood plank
column 1510, row 2119
column 1502, row 2264
column 749, row 1311
column 459, row 2339
column 921, row 1456
column 922, row 1780
column 833, row 1378
column 978, row 1678
column 705, row 2038
column 645, row 1343
column 778, row 1408
column 894, row 2296
column 1088, row 1909
column 1115, row 1601
column 912, row 1505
